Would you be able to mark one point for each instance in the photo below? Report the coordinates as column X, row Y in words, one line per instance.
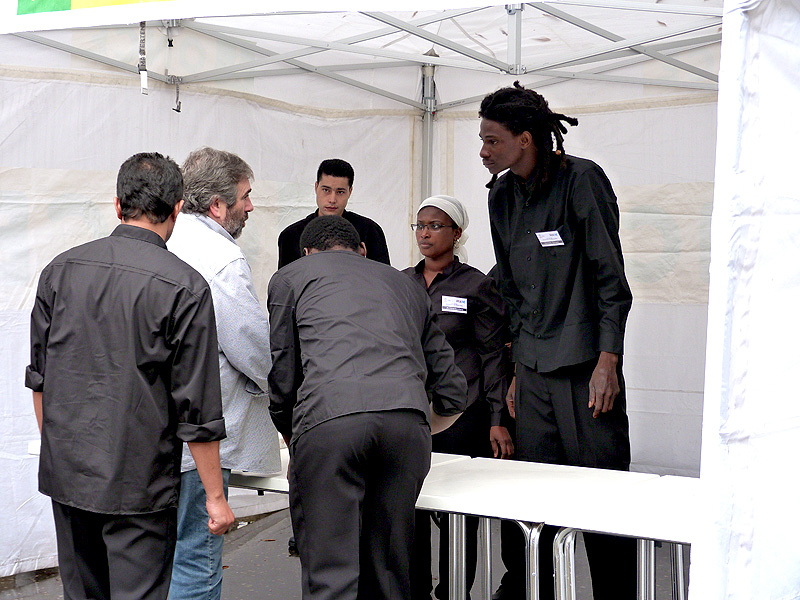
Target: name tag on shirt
column 454, row 304
column 549, row 238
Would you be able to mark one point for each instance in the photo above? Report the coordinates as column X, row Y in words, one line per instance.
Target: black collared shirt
column 349, row 335
column 124, row 351
column 368, row 230
column 567, row 301
column 472, row 318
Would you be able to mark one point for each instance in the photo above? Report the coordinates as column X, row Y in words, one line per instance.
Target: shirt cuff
column 611, row 341
column 33, row 379
column 207, row 432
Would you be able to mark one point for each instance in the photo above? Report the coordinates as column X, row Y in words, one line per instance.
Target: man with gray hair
column 216, row 206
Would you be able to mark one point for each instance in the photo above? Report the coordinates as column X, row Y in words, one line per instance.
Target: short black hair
column 150, row 185
column 329, row 231
column 521, row 109
column 336, row 167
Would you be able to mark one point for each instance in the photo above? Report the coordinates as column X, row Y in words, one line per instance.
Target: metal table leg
column 458, row 571
column 531, row 532
column 678, row 583
column 486, row 533
column 564, row 554
column 646, row 567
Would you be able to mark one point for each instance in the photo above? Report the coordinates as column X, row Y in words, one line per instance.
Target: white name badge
column 549, row 238
column 454, row 304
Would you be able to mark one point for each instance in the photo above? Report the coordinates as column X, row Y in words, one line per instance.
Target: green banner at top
column 27, row 7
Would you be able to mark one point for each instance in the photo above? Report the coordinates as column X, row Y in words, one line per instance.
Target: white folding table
column 531, row 494
column 640, row 505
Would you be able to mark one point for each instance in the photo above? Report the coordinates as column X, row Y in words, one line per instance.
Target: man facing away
column 555, row 227
column 123, row 371
column 333, row 188
column 216, row 206
column 355, row 352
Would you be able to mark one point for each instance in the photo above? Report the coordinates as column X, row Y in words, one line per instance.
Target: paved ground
column 258, row 567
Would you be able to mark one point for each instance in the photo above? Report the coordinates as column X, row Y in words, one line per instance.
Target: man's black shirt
column 570, row 300
column 368, row 230
column 124, row 351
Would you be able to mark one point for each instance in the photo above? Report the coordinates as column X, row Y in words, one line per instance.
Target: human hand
column 502, row 445
column 604, row 384
column 220, row 516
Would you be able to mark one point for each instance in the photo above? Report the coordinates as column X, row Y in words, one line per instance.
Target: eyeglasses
column 430, row 226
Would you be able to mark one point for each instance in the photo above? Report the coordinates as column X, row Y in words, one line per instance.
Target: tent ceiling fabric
column 541, row 42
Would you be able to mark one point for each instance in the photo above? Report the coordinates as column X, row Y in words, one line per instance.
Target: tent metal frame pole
column 565, row 75
column 596, row 73
column 308, row 51
column 320, row 71
column 582, row 57
column 37, row 39
column 545, row 8
column 439, row 40
column 293, row 71
column 475, row 64
column 681, row 9
column 429, row 103
column 515, row 38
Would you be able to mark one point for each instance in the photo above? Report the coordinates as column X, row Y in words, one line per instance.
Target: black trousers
column 353, row 483
column 124, row 557
column 468, row 436
column 554, row 425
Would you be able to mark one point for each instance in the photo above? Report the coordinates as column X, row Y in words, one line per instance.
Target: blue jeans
column 197, row 567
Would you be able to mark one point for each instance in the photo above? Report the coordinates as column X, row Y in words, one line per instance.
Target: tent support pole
column 429, row 102
column 515, row 39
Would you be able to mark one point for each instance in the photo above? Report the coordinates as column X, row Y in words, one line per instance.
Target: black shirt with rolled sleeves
column 124, row 351
column 368, row 231
column 350, row 335
column 570, row 300
column 476, row 331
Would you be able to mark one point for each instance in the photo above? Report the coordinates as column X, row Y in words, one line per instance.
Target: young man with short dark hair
column 333, row 188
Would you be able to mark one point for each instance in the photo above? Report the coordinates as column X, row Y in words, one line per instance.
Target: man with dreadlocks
column 555, row 226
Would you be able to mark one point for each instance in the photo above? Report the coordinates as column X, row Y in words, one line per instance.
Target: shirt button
column 529, row 259
column 529, row 230
column 536, row 312
column 533, row 286
column 538, row 336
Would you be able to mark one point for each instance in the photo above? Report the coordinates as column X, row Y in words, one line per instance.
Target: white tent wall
column 66, row 125
column 747, row 547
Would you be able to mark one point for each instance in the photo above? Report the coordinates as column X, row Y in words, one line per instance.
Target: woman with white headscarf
column 471, row 315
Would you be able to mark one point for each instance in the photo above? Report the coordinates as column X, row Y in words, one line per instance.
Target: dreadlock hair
column 519, row 109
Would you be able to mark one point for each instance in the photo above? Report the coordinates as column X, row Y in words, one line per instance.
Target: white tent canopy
column 395, row 93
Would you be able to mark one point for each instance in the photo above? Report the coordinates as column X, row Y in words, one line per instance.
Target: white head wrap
column 456, row 211
column 449, row 205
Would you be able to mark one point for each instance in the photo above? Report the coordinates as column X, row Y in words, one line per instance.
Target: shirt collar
column 526, row 185
column 315, row 214
column 139, row 233
column 448, row 270
column 214, row 226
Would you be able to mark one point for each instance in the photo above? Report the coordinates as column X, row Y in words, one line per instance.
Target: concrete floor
column 257, row 565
